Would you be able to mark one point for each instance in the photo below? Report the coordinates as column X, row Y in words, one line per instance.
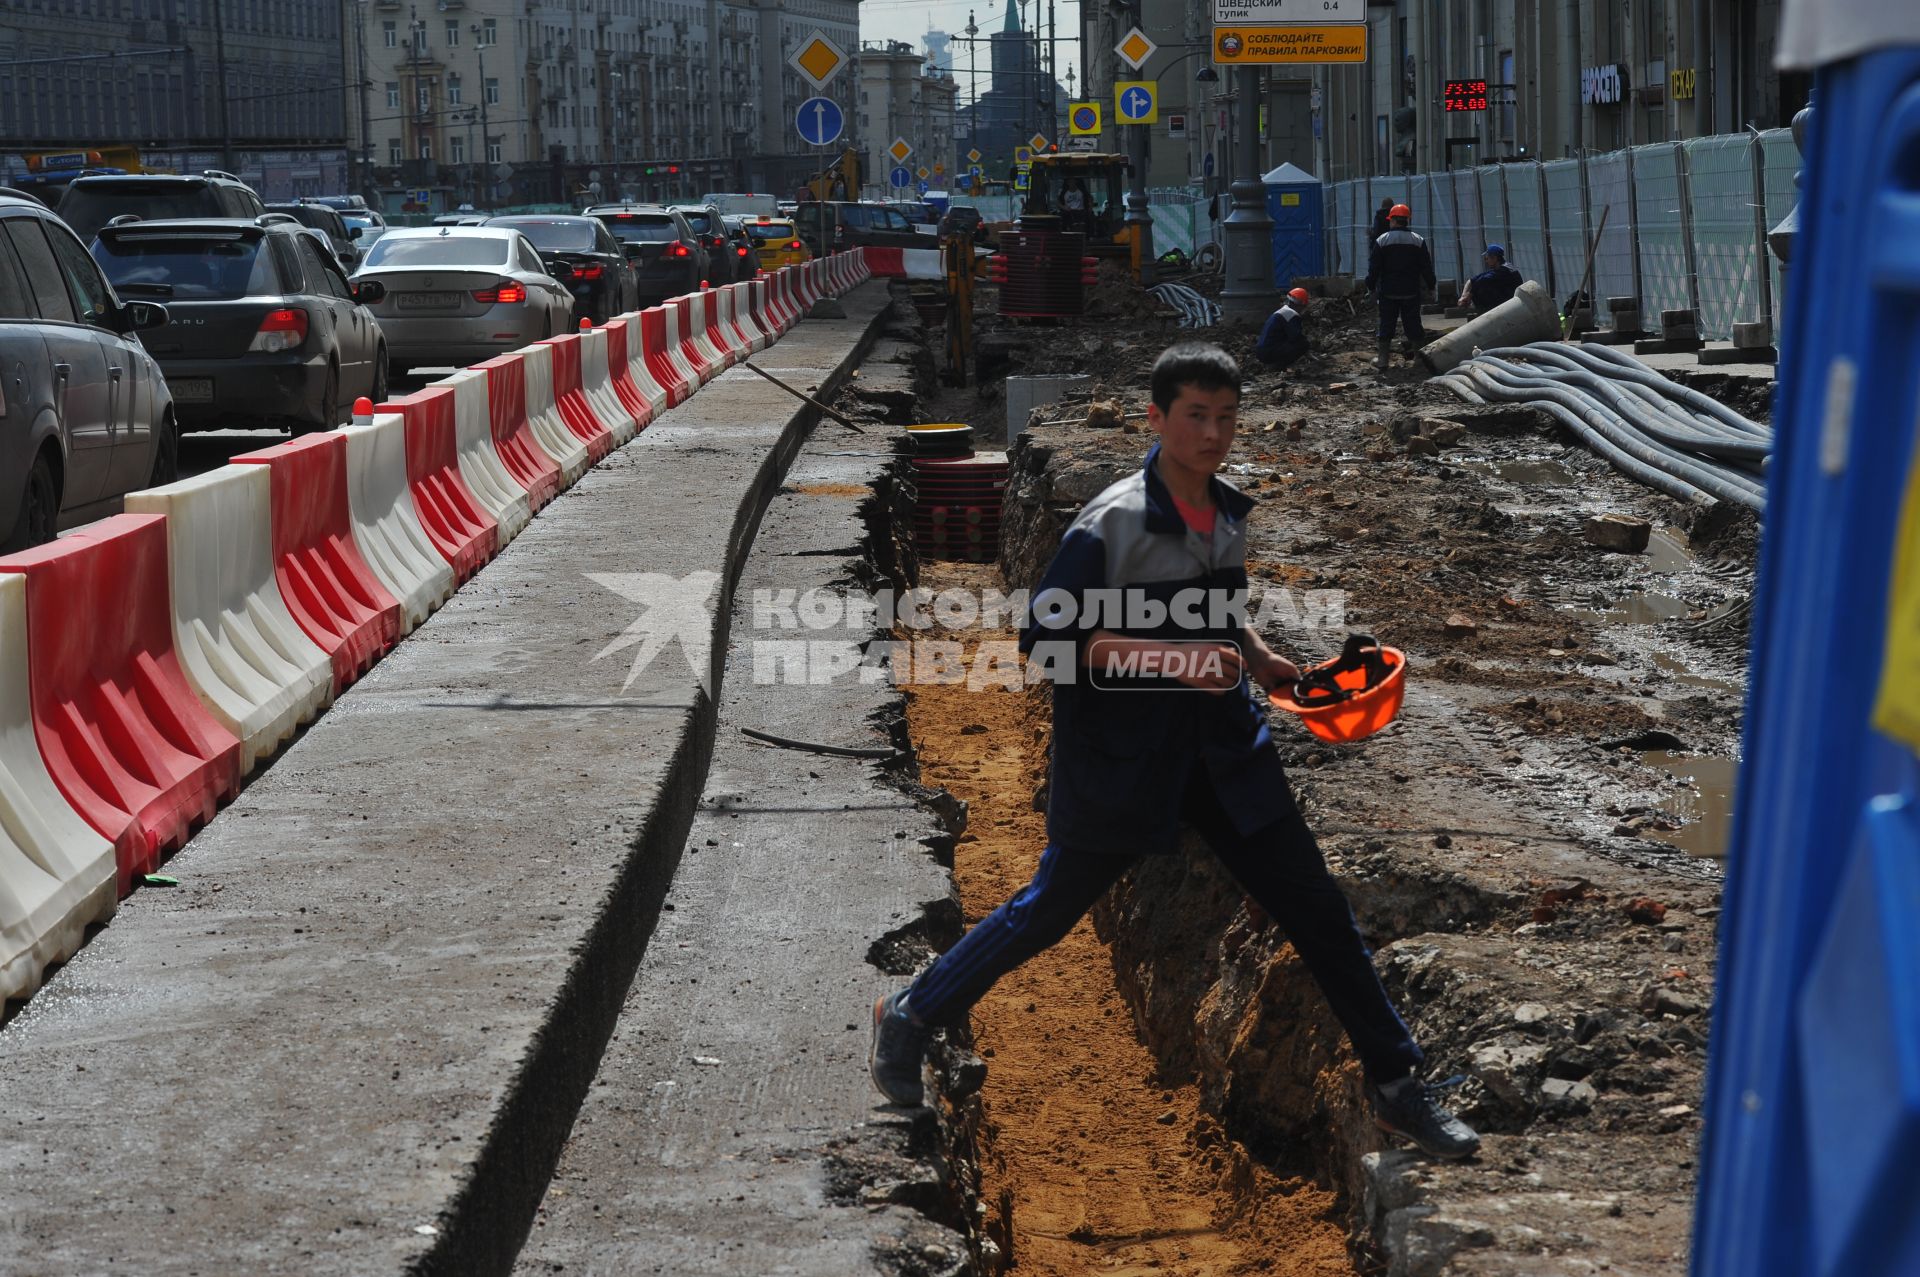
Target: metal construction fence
column 1685, row 223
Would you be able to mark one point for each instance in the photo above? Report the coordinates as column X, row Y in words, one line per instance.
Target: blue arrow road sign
column 921, row 187
column 819, row 121
column 901, row 176
column 1136, row 103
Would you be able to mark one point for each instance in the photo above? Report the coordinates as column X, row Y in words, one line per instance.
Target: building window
column 489, row 32
column 457, row 149
column 391, row 34
column 426, row 148
column 453, row 90
column 493, row 151
column 493, row 91
column 393, row 150
column 423, row 97
column 453, row 33
column 393, row 95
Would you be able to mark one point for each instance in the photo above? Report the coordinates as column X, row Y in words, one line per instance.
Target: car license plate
column 429, row 301
column 191, row 389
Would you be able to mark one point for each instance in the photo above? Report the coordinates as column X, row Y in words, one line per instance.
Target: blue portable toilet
column 1812, row 1109
column 1294, row 202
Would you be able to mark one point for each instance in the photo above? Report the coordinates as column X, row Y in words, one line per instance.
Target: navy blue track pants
column 1279, row 866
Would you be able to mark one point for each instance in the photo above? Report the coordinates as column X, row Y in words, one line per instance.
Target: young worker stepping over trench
column 1155, row 725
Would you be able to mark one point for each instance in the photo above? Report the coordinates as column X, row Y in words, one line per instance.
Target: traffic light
column 673, row 170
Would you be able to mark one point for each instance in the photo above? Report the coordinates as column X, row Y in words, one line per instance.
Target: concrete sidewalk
column 353, row 1039
column 732, row 1129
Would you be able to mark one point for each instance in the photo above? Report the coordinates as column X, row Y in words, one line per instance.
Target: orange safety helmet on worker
column 1283, row 339
column 1400, row 274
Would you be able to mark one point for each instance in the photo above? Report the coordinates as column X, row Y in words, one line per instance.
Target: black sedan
column 668, row 258
column 582, row 254
column 263, row 328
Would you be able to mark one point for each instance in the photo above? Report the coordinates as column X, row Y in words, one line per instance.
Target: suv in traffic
column 340, row 236
column 91, row 202
column 668, row 257
column 707, row 223
column 85, row 416
column 829, row 226
column 265, row 328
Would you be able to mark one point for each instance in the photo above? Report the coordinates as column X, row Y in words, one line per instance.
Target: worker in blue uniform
column 1400, row 274
column 1494, row 285
column 1284, row 338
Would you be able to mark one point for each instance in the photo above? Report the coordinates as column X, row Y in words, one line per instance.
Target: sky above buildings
column 908, row 21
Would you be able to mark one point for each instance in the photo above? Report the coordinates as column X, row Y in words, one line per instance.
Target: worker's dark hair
column 1192, row 363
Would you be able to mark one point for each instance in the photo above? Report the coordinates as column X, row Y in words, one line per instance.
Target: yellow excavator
column 839, row 180
column 1087, row 192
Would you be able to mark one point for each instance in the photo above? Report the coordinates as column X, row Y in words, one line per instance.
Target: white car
column 459, row 294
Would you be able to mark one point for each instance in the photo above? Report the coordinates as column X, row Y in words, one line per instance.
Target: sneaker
column 899, row 1048
column 1410, row 1109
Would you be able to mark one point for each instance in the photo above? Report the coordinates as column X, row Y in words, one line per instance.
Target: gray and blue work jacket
column 1125, row 743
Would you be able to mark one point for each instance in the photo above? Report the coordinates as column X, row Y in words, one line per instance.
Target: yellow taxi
column 776, row 242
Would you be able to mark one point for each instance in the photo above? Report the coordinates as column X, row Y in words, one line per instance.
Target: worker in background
column 1284, row 338
column 1399, row 273
column 1492, row 286
column 1073, row 205
column 1380, row 220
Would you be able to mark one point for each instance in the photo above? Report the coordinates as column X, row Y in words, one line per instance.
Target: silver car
column 459, row 294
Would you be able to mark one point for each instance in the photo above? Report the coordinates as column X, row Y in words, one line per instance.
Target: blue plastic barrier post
column 1809, row 1162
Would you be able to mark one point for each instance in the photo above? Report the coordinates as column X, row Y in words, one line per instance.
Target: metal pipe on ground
column 1526, row 317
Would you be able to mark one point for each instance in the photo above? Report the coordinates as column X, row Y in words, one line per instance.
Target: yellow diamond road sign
column 923, row 173
column 973, row 156
column 818, row 58
column 1134, row 48
column 1038, row 141
column 899, row 150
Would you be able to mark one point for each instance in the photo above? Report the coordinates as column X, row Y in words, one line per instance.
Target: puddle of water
column 1543, row 472
column 1667, row 552
column 1706, row 804
column 1676, row 672
column 1643, row 607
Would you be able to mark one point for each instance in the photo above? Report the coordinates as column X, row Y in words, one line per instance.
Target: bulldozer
column 839, row 180
column 1101, row 180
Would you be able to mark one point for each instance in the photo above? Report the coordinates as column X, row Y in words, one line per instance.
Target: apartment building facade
column 903, row 97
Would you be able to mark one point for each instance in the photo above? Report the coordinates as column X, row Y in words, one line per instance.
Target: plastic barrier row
column 150, row 661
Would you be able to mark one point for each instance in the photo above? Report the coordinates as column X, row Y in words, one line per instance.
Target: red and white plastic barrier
column 661, row 352
column 126, row 741
column 57, row 872
column 513, row 439
column 386, row 526
column 694, row 347
column 549, row 427
column 596, row 382
column 465, row 535
column 903, row 263
column 253, row 668
column 707, row 304
column 576, row 410
column 502, row 496
column 331, row 593
column 633, row 381
column 751, row 330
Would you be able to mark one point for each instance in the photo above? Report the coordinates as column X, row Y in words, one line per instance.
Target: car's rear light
column 795, row 244
column 588, row 272
column 680, row 250
column 741, row 250
column 284, row 329
column 505, row 290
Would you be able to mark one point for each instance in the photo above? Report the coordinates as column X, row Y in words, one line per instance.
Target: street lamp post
column 366, row 123
column 485, row 193
column 973, row 85
column 1249, row 290
column 1137, row 215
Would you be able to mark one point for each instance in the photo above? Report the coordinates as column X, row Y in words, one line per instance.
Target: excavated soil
column 1094, row 1157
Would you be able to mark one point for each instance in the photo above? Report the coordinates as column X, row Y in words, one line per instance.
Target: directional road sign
column 1289, row 45
column 819, row 121
column 900, row 150
column 818, row 58
column 1083, row 118
column 1136, row 101
column 1020, row 180
column 1255, row 12
column 901, row 176
column 1134, row 48
column 921, row 187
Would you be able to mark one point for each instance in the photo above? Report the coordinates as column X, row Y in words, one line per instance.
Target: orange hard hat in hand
column 1399, row 210
column 1351, row 697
